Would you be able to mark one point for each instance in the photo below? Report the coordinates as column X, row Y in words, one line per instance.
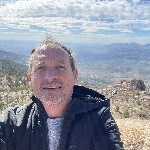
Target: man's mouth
column 52, row 87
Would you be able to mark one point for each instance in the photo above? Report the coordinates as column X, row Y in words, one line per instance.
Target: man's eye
column 61, row 67
column 40, row 68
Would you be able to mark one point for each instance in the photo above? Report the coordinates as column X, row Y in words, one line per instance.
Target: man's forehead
column 53, row 54
column 49, row 49
column 42, row 61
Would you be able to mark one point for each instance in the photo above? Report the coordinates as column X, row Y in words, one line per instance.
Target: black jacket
column 88, row 125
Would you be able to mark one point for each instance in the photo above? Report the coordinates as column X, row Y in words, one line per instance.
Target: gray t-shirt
column 54, row 130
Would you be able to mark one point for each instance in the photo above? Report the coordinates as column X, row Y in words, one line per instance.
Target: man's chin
column 51, row 101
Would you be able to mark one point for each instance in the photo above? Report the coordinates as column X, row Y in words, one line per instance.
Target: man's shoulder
column 90, row 96
column 14, row 114
column 85, row 100
column 82, row 91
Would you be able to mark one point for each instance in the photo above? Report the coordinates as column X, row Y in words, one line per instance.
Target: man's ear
column 29, row 78
column 75, row 73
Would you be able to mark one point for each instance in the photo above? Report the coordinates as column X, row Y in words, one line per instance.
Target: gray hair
column 50, row 42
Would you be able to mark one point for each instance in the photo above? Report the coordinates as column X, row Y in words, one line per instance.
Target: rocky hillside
column 129, row 99
column 130, row 105
column 13, row 90
column 135, row 133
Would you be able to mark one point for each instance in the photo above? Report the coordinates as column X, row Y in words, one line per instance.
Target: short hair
column 54, row 44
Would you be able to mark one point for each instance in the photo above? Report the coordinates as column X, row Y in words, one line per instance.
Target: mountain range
column 98, row 65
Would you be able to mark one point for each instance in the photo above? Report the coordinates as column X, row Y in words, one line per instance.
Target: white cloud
column 136, row 1
column 126, row 31
column 120, row 9
column 64, row 16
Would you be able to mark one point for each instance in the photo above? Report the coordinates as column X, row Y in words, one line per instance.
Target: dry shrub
column 135, row 134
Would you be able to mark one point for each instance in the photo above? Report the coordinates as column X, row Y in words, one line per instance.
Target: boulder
column 138, row 85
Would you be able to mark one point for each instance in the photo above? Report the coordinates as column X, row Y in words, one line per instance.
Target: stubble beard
column 55, row 98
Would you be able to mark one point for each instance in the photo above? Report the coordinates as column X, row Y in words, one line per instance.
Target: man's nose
column 51, row 74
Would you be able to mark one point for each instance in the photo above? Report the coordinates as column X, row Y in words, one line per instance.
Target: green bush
column 117, row 108
column 139, row 103
column 126, row 113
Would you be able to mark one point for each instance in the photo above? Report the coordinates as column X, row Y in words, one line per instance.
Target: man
column 62, row 115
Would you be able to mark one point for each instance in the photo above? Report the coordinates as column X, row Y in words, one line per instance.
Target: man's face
column 51, row 77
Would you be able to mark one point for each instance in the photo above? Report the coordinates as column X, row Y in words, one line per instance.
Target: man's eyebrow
column 39, row 63
column 60, row 61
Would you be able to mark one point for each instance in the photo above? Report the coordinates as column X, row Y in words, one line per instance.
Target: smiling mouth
column 52, row 88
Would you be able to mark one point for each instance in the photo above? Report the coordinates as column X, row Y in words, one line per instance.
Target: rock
column 138, row 85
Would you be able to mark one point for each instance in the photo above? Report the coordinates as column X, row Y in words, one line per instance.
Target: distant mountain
column 4, row 55
column 10, row 67
column 132, row 51
column 99, row 65
column 17, row 46
column 86, row 52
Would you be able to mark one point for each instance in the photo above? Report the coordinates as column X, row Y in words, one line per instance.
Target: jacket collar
column 78, row 106
column 40, row 106
column 85, row 99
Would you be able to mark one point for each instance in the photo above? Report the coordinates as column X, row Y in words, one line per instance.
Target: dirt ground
column 135, row 133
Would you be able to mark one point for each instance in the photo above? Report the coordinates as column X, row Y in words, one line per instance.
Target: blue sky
column 77, row 21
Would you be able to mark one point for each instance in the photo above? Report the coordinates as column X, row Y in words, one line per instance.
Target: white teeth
column 52, row 87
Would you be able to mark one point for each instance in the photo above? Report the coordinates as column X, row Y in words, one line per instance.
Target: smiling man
column 62, row 115
column 52, row 78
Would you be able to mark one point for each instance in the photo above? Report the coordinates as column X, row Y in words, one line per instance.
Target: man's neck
column 56, row 110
